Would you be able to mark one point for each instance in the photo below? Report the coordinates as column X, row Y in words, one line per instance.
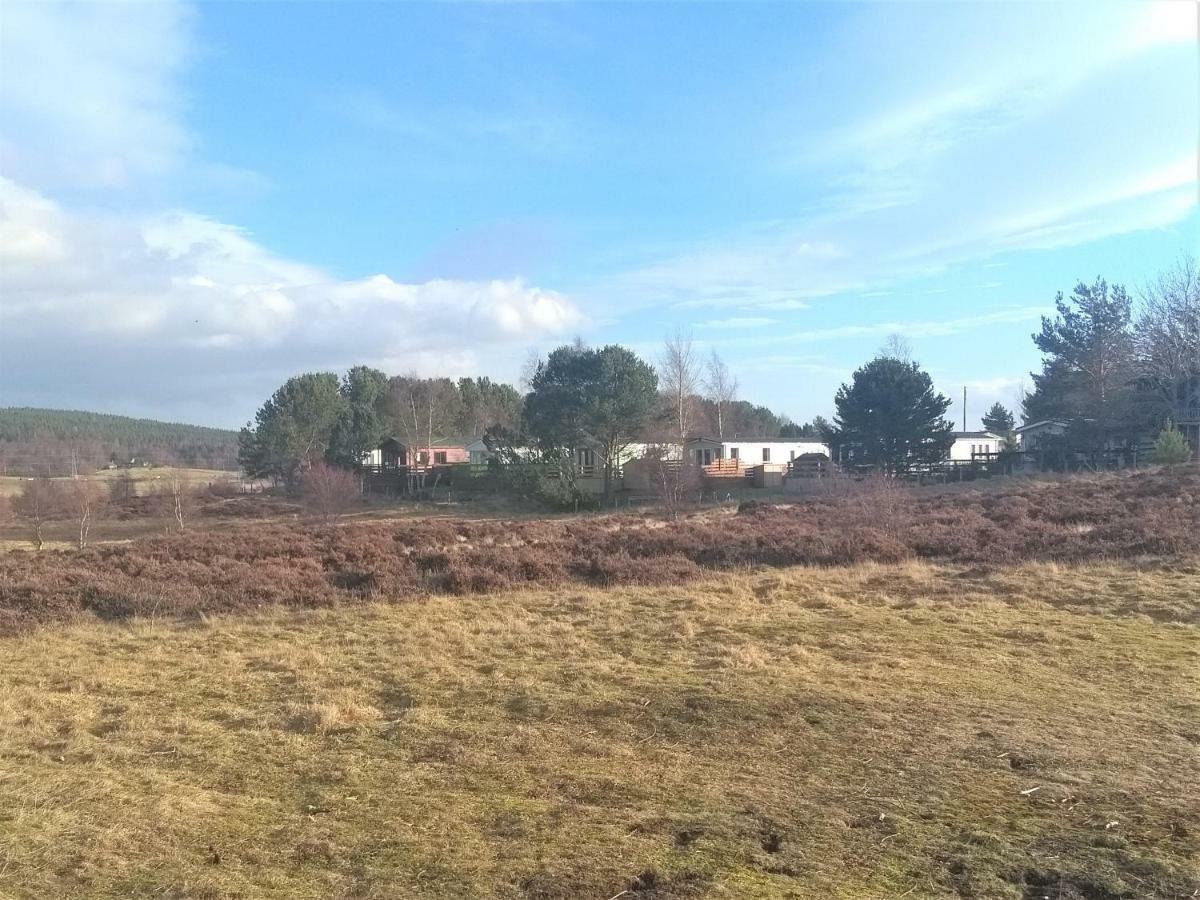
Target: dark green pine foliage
column 601, row 400
column 364, row 420
column 998, row 420
column 1088, row 372
column 890, row 418
column 293, row 429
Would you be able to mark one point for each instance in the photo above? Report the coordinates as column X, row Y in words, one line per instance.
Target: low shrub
column 1155, row 514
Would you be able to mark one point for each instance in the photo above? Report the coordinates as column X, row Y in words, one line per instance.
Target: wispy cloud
column 909, row 329
column 521, row 125
column 737, row 323
column 90, row 93
column 977, row 153
column 782, row 305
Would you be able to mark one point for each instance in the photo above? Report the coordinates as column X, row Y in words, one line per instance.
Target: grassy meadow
column 866, row 731
column 145, row 479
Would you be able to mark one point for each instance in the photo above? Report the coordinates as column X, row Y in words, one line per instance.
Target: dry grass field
column 144, row 479
column 878, row 693
column 872, row 731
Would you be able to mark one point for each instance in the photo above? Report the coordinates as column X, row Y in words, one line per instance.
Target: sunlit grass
column 863, row 732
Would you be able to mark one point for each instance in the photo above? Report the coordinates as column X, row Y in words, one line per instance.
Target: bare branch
column 679, row 377
column 722, row 389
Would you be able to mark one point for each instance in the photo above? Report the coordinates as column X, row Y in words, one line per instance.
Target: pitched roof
column 1057, row 422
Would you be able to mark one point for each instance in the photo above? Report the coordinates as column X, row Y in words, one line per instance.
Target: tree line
column 1115, row 371
column 602, row 398
column 319, row 416
column 1110, row 376
column 56, row 442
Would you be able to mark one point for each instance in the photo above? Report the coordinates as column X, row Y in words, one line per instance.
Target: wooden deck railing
column 724, row 468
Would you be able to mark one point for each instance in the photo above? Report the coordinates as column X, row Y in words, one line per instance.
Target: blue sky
column 198, row 201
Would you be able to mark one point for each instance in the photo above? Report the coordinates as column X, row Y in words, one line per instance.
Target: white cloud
column 981, row 394
column 782, row 305
column 28, row 227
column 143, row 299
column 1167, row 22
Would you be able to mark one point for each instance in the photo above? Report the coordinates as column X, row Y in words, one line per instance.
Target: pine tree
column 999, row 421
column 1088, row 373
column 890, row 417
column 1172, row 447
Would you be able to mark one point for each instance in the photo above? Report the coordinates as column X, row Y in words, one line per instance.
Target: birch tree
column 679, row 377
column 1167, row 341
column 722, row 389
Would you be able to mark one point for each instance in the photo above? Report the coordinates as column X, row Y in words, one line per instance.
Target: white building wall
column 750, row 453
column 640, row 450
column 962, row 448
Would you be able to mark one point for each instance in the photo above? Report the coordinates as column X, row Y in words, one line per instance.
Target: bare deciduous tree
column 85, row 500
column 41, row 501
column 122, row 488
column 183, row 498
column 176, row 501
column 330, row 491
column 423, row 408
column 529, row 369
column 679, row 377
column 897, row 347
column 1167, row 339
column 722, row 389
column 674, row 480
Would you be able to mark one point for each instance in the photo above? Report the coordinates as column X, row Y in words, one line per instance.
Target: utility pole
column 964, row 407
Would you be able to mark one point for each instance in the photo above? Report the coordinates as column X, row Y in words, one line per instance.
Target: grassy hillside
column 865, row 732
column 33, row 439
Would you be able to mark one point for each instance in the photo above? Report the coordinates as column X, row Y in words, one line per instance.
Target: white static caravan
column 968, row 444
column 750, row 453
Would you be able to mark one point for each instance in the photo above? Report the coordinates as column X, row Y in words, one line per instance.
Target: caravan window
column 766, row 454
column 733, row 452
column 439, row 457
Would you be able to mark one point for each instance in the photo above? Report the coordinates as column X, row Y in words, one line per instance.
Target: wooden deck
column 724, row 468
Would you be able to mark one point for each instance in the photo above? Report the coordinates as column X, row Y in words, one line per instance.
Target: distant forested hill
column 57, row 441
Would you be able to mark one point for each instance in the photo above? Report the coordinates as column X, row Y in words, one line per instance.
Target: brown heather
column 1150, row 515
